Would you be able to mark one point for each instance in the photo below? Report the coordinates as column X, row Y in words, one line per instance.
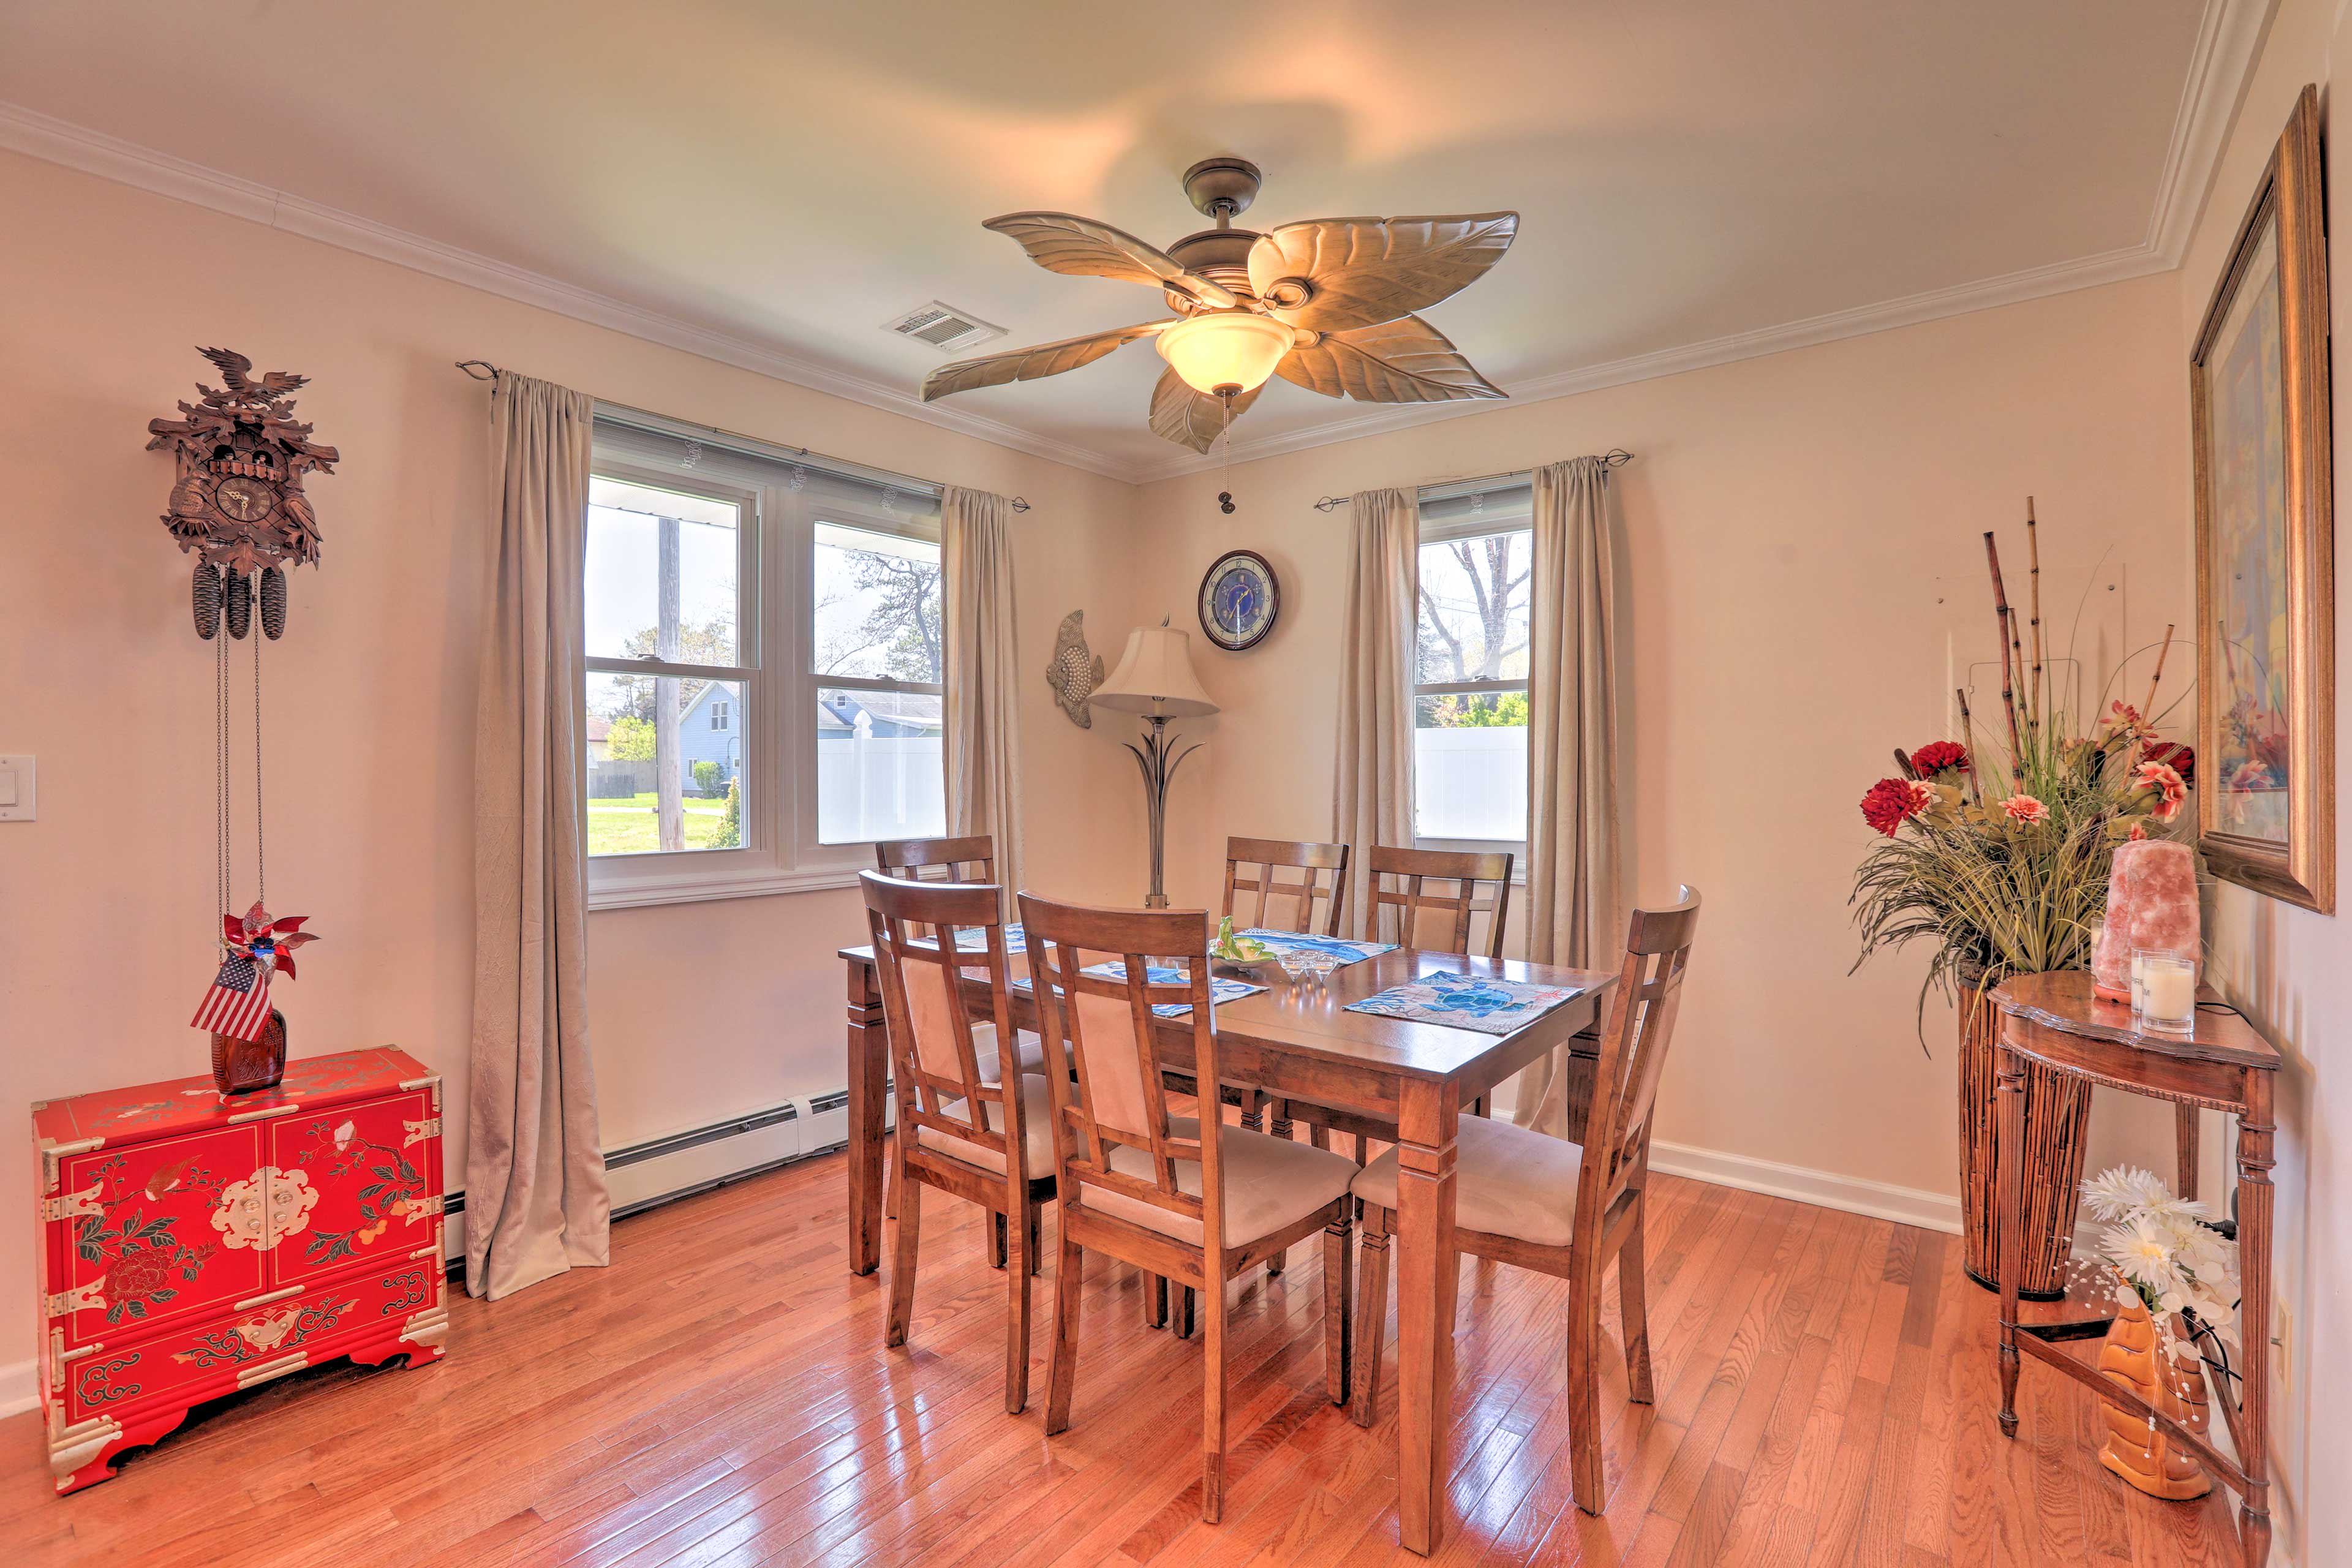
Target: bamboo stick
column 2147, row 707
column 2040, row 698
column 1968, row 738
column 2008, row 659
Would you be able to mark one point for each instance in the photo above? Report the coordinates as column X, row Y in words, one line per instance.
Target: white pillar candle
column 2169, row 988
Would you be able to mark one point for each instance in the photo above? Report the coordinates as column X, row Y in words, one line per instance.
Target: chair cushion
column 1508, row 1181
column 1036, row 1125
column 1028, row 1050
column 1269, row 1183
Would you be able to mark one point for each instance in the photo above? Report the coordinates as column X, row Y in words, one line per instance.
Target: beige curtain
column 983, row 705
column 1371, row 796
column 1573, row 916
column 535, row 1202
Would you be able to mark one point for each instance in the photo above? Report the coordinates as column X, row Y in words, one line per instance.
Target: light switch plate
column 16, row 788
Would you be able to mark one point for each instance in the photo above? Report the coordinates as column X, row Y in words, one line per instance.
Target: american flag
column 238, row 1004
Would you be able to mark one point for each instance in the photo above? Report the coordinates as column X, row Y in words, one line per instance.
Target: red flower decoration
column 136, row 1276
column 2139, row 832
column 1940, row 757
column 1891, row 803
column 2180, row 759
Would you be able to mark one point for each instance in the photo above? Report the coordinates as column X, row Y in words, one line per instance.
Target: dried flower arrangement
column 2003, row 868
column 2163, row 1252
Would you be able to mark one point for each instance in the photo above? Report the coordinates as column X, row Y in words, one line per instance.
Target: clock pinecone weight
column 240, row 604
column 205, row 599
column 273, row 602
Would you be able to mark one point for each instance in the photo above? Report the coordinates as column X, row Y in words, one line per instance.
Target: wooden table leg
column 869, row 1058
column 1426, row 1269
column 2254, row 1130
column 2009, row 1212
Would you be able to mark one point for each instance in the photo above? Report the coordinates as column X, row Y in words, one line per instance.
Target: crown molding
column 2228, row 37
column 91, row 152
column 2230, row 33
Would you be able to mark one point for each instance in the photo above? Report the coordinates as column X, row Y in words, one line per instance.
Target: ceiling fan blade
column 1190, row 418
column 1336, row 274
column 1082, row 247
column 1406, row 360
column 1028, row 364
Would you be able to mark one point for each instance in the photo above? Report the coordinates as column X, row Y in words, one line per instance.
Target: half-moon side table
column 2221, row 1064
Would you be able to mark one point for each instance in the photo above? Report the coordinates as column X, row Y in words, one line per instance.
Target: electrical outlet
column 2283, row 1344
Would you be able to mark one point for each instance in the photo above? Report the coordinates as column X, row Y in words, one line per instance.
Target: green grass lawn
column 625, row 826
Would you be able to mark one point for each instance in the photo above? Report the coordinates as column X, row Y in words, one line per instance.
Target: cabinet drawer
column 362, row 1183
column 251, row 1344
column 148, row 1234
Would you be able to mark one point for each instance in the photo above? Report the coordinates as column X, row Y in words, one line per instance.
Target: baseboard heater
column 703, row 1158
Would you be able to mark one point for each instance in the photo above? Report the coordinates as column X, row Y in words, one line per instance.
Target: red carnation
column 1940, row 757
column 1891, row 803
column 2180, row 759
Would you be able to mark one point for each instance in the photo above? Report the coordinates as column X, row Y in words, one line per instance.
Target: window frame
column 775, row 628
column 1451, row 530
column 868, row 518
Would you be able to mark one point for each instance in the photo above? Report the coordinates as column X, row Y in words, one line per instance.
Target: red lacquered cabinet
column 194, row 1245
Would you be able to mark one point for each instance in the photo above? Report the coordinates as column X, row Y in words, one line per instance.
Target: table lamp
column 1154, row 678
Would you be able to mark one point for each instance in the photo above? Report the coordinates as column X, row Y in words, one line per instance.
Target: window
column 1470, row 691
column 765, row 666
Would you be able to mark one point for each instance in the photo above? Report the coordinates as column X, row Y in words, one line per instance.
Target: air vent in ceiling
column 943, row 327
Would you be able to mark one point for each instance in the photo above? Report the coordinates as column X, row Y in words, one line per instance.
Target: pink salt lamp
column 2151, row 905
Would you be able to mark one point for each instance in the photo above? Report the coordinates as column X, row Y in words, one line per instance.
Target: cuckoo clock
column 238, row 501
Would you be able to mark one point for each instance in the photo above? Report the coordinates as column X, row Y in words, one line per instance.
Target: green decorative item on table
column 1998, row 857
column 1232, row 949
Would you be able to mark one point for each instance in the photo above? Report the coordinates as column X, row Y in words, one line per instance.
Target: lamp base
column 1155, row 900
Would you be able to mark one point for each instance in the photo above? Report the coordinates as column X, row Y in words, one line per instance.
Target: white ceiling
column 790, row 177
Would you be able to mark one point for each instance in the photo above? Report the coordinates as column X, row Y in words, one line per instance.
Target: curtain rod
column 483, row 370
column 1615, row 458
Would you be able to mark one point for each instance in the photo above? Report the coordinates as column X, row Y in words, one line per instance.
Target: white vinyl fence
column 1470, row 782
column 870, row 787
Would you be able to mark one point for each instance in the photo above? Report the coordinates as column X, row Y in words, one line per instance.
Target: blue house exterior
column 711, row 730
column 893, row 714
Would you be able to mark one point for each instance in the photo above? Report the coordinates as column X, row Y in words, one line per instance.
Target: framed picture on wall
column 2265, row 582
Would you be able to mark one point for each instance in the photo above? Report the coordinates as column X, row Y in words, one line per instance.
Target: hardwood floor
column 1825, row 1395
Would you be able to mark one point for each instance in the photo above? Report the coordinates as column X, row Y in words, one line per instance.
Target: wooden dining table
column 1297, row 1040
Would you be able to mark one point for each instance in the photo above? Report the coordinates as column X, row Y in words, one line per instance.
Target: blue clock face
column 1239, row 601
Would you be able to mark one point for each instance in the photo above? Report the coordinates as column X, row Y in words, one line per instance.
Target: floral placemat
column 1220, row 988
column 1346, row 952
column 1466, row 1002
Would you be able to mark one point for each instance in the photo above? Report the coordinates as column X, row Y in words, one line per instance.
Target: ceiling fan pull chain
column 1226, row 496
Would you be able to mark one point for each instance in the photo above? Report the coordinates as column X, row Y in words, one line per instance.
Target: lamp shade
column 1225, row 348
column 1154, row 678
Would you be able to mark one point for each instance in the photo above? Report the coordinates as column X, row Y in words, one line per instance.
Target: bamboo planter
column 2057, row 1107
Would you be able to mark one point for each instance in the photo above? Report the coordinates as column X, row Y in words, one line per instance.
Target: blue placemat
column 971, row 939
column 1466, row 1002
column 1346, row 952
column 1220, row 988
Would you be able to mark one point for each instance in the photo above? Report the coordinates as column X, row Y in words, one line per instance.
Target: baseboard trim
column 1825, row 1189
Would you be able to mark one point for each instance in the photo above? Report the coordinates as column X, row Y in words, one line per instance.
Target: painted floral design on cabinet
column 140, row 1247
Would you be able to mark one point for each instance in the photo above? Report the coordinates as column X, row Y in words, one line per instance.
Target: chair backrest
column 933, row 1059
column 1616, row 1132
column 1115, row 1099
column 971, row 859
column 1249, row 868
column 1435, row 893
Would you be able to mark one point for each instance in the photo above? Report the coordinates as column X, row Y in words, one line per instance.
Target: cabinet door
column 154, row 1231
column 356, row 1184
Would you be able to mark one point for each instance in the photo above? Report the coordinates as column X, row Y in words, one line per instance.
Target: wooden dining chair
column 1430, row 897
column 983, row 1138
column 1558, row 1207
column 1286, row 903
column 1190, row 1200
column 971, row 859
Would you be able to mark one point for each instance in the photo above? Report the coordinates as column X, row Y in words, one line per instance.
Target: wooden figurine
column 2142, row 1454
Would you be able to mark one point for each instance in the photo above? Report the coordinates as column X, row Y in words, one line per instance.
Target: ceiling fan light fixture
column 1225, row 349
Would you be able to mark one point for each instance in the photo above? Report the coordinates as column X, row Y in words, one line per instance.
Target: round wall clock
column 1239, row 600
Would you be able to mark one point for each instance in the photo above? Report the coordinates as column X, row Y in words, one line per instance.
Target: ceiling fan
column 1326, row 304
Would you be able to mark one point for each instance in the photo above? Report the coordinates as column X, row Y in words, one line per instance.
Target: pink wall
column 106, row 903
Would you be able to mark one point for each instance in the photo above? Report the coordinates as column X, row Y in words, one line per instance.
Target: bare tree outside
column 1473, row 624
